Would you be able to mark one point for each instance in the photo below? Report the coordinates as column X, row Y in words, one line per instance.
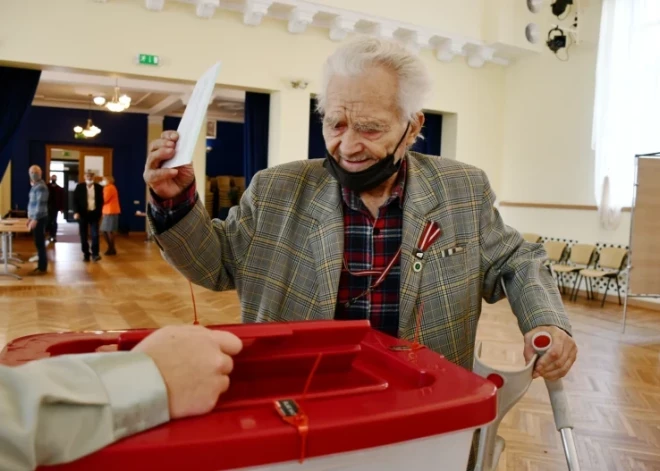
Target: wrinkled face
column 362, row 124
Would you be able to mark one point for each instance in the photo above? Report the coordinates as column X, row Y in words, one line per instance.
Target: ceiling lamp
column 118, row 103
column 99, row 100
column 90, row 130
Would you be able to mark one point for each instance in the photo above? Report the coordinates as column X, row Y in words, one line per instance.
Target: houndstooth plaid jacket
column 282, row 250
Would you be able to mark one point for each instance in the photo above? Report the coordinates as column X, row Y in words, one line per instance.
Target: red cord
column 303, row 423
column 192, row 295
column 418, row 326
column 310, row 376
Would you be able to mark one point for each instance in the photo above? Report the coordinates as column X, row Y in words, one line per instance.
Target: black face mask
column 369, row 178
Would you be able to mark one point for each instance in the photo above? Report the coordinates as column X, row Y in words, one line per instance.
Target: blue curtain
column 257, row 111
column 16, row 95
column 432, row 132
column 228, row 150
column 316, row 148
column 226, row 153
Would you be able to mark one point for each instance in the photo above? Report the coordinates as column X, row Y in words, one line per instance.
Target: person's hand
column 556, row 362
column 166, row 182
column 76, row 216
column 31, row 224
column 195, row 363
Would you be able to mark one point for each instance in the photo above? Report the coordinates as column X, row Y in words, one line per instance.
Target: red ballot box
column 326, row 395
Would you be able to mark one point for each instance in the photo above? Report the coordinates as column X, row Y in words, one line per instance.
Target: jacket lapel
column 327, row 242
column 421, row 204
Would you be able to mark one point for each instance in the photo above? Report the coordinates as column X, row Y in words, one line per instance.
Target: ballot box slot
column 285, row 374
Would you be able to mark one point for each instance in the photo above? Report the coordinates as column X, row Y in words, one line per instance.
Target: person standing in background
column 55, row 205
column 111, row 211
column 87, row 206
column 38, row 217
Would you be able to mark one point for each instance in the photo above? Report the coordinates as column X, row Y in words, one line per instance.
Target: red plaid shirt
column 370, row 244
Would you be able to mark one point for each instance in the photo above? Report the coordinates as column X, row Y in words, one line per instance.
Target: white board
column 95, row 164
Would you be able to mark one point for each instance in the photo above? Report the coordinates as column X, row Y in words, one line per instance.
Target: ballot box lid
column 355, row 388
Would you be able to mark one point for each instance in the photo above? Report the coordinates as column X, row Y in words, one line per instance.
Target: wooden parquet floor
column 614, row 387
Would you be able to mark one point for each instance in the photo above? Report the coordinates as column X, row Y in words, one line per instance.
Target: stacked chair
column 611, row 263
column 586, row 263
column 582, row 256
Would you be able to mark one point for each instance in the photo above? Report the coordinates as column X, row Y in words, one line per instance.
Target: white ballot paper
column 193, row 118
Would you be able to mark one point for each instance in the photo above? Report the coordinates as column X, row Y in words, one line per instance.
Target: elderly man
column 38, row 217
column 372, row 231
column 87, row 208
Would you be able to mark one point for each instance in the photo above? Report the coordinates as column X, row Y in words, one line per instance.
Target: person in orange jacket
column 111, row 211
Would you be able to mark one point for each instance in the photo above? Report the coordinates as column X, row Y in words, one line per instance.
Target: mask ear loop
column 405, row 133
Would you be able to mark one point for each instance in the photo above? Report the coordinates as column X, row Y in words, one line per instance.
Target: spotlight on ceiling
column 559, row 7
column 556, row 39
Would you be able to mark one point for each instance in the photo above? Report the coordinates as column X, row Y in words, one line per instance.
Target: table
column 143, row 214
column 7, row 228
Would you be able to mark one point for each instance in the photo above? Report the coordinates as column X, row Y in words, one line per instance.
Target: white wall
column 546, row 154
column 566, row 224
column 105, row 37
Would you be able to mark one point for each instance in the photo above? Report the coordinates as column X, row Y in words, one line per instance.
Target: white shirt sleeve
column 60, row 409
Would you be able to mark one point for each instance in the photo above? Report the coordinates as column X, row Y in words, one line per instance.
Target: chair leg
column 575, row 288
column 587, row 283
column 618, row 288
column 607, row 288
column 560, row 284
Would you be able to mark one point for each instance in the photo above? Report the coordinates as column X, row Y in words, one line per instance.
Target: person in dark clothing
column 87, row 207
column 55, row 205
column 234, row 195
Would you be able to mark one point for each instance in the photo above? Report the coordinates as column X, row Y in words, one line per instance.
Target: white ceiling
column 66, row 89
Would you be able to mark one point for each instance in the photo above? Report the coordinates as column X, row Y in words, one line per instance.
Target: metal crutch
column 512, row 385
column 542, row 342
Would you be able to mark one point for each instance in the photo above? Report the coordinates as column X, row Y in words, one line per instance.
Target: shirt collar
column 353, row 201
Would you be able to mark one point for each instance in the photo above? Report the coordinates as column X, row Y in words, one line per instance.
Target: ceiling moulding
column 130, row 84
column 300, row 14
column 154, row 5
column 206, row 8
column 254, row 11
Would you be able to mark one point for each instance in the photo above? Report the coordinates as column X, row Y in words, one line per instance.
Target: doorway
column 70, row 163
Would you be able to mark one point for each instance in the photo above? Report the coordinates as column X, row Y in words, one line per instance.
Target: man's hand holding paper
column 166, row 182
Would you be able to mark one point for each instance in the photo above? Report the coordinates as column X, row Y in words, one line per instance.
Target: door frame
column 107, row 163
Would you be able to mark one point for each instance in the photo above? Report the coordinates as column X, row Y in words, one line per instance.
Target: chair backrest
column 612, row 258
column 581, row 254
column 555, row 250
column 530, row 237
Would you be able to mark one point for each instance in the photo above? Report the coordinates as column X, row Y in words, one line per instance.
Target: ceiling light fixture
column 118, row 103
column 99, row 100
column 90, row 130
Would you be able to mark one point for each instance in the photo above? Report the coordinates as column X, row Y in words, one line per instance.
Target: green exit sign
column 148, row 59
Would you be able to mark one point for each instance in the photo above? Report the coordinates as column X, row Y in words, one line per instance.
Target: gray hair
column 358, row 54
